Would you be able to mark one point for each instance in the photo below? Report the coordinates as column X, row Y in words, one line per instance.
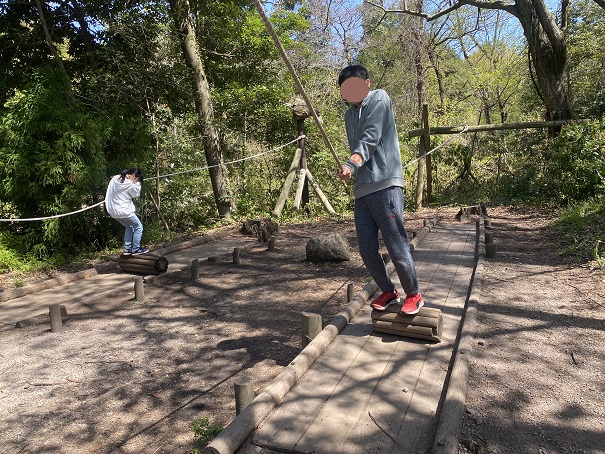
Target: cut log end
column 427, row 324
column 147, row 264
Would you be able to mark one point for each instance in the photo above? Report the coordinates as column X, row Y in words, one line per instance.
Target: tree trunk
column 547, row 47
column 418, row 34
column 203, row 102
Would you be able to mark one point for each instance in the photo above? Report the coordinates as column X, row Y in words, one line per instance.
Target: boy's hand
column 344, row 173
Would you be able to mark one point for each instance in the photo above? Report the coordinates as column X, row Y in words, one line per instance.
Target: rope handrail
column 226, row 163
column 55, row 216
column 464, row 129
column 153, row 178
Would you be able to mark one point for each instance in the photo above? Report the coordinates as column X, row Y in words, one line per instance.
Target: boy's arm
column 370, row 136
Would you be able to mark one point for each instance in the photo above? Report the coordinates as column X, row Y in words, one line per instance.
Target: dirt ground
column 537, row 380
column 132, row 377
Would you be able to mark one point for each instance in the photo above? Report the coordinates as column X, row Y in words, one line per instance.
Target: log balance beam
column 147, row 264
column 427, row 324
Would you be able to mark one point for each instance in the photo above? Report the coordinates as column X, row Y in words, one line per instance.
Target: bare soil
column 132, row 377
column 537, row 381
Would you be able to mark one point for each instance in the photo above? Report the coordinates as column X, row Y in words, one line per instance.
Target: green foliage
column 586, row 57
column 575, row 164
column 52, row 150
column 582, row 232
column 203, row 433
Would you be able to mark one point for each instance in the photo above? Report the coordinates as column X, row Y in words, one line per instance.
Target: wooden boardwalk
column 379, row 393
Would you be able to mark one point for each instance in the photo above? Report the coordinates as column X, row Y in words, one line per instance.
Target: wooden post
column 302, row 184
column 489, row 237
column 422, row 149
column 477, row 230
column 490, row 250
column 236, row 258
column 427, row 145
column 271, row 245
column 139, row 293
column 302, row 144
column 195, row 269
column 350, row 292
column 281, row 201
column 319, row 193
column 488, row 223
column 312, row 324
column 244, row 393
column 56, row 322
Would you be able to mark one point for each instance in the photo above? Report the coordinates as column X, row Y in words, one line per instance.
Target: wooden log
column 320, row 193
column 279, row 206
column 302, row 175
column 426, row 324
column 494, row 127
column 148, row 263
column 398, row 329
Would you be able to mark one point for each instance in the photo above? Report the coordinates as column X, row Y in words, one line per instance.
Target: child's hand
column 344, row 173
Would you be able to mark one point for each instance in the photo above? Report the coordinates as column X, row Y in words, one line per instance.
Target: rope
column 437, row 147
column 55, row 216
column 299, row 85
column 227, row 163
column 155, row 178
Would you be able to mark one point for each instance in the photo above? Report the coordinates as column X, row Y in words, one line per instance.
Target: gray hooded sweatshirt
column 372, row 135
column 118, row 199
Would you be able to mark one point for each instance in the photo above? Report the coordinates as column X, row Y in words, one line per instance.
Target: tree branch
column 601, row 3
column 478, row 3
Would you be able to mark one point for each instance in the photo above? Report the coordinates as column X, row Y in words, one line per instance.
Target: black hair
column 134, row 171
column 353, row 71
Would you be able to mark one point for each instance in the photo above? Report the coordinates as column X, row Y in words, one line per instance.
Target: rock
column 328, row 248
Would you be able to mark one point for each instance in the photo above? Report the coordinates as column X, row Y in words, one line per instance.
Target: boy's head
column 354, row 83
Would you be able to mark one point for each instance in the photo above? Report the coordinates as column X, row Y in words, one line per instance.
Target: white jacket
column 118, row 199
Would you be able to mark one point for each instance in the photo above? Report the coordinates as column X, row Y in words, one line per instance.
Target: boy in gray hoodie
column 375, row 163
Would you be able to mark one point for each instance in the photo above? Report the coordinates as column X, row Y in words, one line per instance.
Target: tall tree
column 181, row 14
column 545, row 40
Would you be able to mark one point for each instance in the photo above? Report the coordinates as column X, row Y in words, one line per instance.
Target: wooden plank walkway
column 379, row 393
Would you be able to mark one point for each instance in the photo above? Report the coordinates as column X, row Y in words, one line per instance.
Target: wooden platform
column 380, row 393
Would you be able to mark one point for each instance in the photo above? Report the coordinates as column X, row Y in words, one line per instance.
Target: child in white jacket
column 121, row 191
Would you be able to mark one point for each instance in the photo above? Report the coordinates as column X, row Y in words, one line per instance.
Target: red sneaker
column 412, row 304
column 385, row 300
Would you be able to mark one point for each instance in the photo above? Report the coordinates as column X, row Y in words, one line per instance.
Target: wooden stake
column 244, row 393
column 350, row 292
column 56, row 322
column 139, row 293
column 302, row 175
column 312, row 324
column 489, row 237
column 279, row 206
column 236, row 259
column 271, row 245
column 195, row 269
column 319, row 193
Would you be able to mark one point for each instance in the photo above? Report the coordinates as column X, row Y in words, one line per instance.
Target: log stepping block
column 427, row 324
column 147, row 264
